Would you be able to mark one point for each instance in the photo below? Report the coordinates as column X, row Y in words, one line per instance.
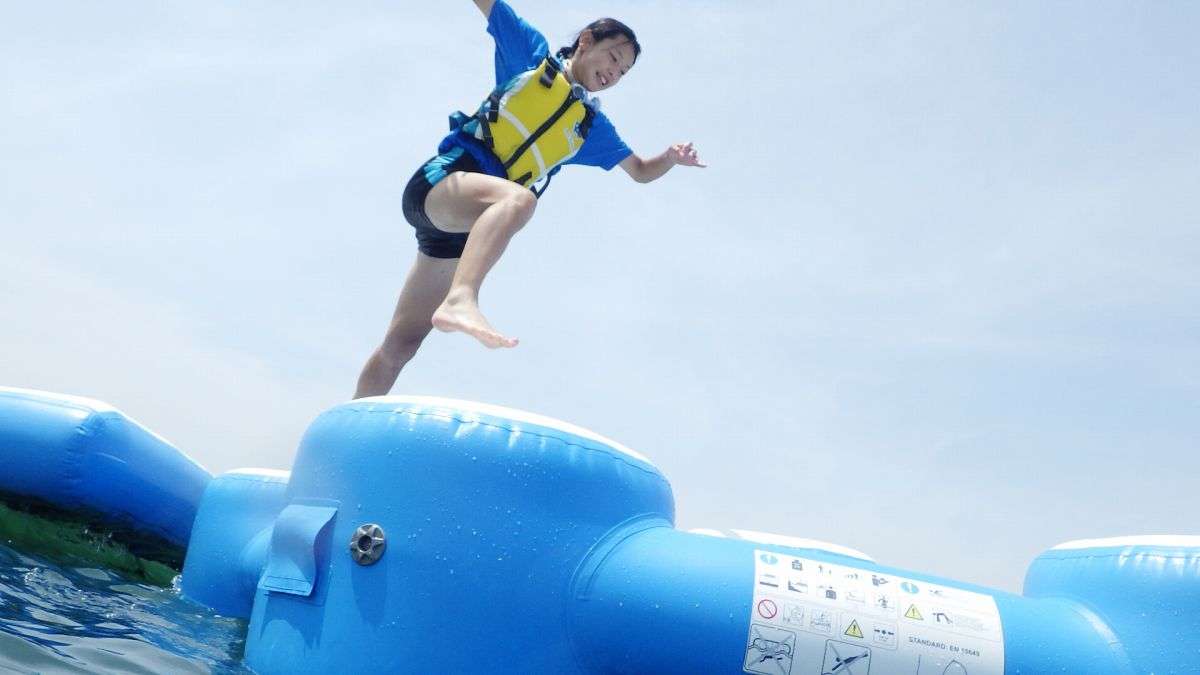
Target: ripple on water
column 64, row 619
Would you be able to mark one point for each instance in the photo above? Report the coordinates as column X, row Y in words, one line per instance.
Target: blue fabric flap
column 292, row 561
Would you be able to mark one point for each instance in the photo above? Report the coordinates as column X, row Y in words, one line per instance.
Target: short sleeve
column 603, row 147
column 519, row 46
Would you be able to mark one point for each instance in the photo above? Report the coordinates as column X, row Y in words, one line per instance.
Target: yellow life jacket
column 534, row 123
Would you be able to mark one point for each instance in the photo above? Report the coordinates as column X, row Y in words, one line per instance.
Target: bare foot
column 464, row 316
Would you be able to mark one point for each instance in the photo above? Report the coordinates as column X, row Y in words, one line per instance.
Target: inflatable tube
column 1143, row 592
column 229, row 542
column 430, row 535
column 82, row 455
column 482, row 508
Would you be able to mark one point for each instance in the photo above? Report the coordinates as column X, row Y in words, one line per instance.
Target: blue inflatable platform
column 423, row 535
column 82, row 455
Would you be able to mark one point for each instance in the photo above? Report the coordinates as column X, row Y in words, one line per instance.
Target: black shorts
column 430, row 240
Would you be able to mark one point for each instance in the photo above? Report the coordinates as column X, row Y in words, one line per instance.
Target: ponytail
column 602, row 29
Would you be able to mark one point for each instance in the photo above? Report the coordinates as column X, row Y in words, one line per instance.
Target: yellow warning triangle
column 854, row 630
column 914, row 613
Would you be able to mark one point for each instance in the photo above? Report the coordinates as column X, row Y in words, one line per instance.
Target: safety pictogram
column 815, row 617
column 843, row 658
column 767, row 609
column 770, row 650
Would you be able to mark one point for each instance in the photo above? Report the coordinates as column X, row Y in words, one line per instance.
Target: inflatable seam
column 601, row 551
column 252, row 478
column 441, row 415
column 92, row 426
column 1122, row 554
column 608, row 544
column 126, row 419
column 1094, row 618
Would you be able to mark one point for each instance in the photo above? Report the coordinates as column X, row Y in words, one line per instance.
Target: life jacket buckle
column 493, row 107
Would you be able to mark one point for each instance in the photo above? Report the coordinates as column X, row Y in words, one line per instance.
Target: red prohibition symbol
column 767, row 609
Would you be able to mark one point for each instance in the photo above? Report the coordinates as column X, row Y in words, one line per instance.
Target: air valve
column 367, row 544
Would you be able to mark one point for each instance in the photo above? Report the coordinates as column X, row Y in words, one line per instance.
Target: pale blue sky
column 936, row 297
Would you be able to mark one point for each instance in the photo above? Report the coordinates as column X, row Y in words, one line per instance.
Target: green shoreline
column 67, row 538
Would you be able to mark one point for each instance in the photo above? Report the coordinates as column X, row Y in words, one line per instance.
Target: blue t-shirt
column 520, row 47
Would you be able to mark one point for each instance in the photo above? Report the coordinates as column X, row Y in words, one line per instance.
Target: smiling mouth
column 602, row 80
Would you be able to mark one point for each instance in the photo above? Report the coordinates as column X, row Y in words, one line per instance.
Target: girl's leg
column 492, row 210
column 426, row 287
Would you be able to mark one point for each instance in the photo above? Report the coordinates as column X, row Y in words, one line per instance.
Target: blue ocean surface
column 60, row 618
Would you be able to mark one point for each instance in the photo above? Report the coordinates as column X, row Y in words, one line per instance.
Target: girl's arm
column 485, row 6
column 646, row 170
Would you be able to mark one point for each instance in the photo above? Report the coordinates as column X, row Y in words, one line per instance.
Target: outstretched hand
column 684, row 154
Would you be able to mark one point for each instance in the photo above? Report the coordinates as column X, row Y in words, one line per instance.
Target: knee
column 522, row 202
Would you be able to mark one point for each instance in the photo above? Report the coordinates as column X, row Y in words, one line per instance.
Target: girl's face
column 600, row 65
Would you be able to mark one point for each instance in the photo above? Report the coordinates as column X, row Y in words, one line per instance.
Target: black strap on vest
column 585, row 125
column 543, row 128
column 486, row 130
column 538, row 193
column 489, row 113
column 493, row 101
column 550, row 72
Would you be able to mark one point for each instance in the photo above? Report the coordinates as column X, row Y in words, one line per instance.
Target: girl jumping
column 484, row 181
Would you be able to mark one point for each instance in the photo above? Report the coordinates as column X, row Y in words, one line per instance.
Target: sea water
column 60, row 617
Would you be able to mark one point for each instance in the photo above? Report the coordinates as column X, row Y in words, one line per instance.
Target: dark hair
column 602, row 29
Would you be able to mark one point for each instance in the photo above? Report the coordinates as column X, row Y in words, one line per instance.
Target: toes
column 487, row 336
column 496, row 340
column 490, row 339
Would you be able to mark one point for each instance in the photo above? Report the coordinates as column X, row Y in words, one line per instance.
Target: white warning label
column 810, row 617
